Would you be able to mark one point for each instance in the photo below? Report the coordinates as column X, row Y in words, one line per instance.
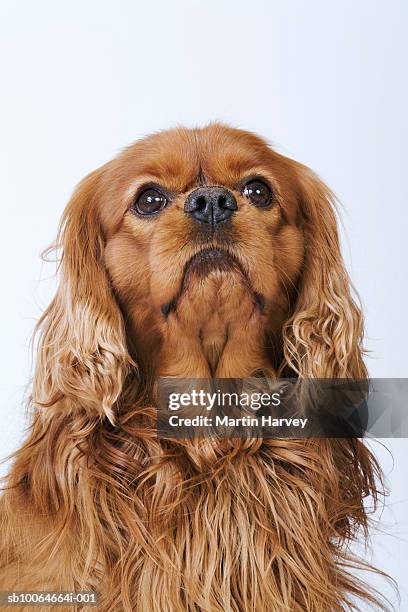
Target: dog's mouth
column 207, row 260
column 202, row 264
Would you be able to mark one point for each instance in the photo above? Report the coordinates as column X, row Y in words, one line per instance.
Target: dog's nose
column 211, row 204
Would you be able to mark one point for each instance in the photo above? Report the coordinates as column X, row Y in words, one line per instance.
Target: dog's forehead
column 181, row 157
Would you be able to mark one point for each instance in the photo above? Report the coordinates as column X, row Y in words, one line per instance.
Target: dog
column 196, row 253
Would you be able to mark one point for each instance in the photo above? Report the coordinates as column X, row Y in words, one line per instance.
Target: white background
column 324, row 81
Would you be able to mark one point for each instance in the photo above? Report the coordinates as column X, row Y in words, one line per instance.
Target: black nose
column 211, row 204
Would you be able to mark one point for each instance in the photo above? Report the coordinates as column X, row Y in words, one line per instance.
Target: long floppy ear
column 82, row 356
column 324, row 335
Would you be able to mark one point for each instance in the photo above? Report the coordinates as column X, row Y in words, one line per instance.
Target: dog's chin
column 211, row 266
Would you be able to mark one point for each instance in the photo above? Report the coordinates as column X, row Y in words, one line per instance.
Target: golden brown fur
column 94, row 499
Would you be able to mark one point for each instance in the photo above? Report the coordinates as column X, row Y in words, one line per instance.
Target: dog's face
column 197, row 253
column 203, row 233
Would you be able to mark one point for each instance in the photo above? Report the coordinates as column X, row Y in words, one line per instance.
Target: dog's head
column 196, row 253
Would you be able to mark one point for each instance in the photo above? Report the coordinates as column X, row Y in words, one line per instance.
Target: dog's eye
column 258, row 192
column 150, row 202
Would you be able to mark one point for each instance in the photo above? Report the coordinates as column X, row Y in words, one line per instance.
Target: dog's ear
column 82, row 357
column 324, row 335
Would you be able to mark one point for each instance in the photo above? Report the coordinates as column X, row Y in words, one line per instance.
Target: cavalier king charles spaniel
column 196, row 253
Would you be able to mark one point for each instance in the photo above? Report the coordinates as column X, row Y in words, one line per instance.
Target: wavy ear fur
column 82, row 354
column 323, row 337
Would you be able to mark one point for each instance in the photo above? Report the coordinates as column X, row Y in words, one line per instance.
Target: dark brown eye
column 258, row 192
column 150, row 202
